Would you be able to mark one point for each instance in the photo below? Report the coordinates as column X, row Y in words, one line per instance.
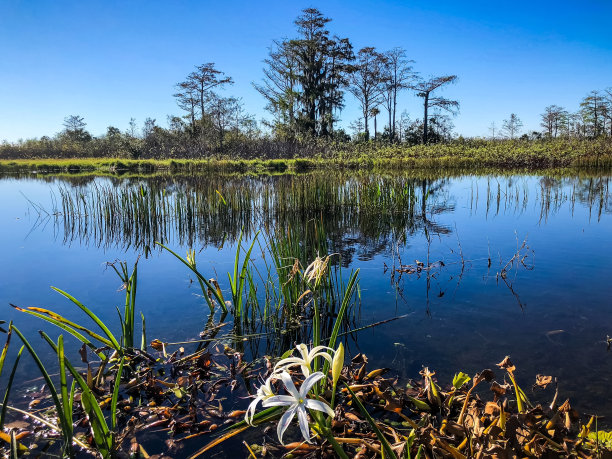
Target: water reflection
column 363, row 215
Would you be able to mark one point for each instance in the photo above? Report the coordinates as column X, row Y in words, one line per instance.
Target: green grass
column 462, row 154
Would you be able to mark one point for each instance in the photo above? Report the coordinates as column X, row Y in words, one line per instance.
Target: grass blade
column 99, row 427
column 389, row 453
column 48, row 381
column 209, row 286
column 113, row 405
column 64, row 388
column 92, row 316
column 70, row 327
column 8, row 388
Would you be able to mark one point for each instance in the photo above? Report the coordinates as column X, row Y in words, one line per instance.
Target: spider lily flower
column 306, row 359
column 297, row 403
column 337, row 364
column 263, row 393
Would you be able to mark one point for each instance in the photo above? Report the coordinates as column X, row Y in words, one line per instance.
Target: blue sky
column 109, row 61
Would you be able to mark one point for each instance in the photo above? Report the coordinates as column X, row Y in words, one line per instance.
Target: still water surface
column 551, row 314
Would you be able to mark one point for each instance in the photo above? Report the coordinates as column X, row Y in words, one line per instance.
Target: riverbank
column 464, row 155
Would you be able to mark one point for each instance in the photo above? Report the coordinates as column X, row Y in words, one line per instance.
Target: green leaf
column 92, row 316
column 99, row 427
column 115, row 396
column 58, row 406
column 389, row 453
column 460, row 379
column 8, row 388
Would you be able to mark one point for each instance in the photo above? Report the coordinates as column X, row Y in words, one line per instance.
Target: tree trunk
column 374, row 127
column 394, row 111
column 426, row 106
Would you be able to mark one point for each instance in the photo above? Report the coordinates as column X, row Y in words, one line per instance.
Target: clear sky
column 112, row 60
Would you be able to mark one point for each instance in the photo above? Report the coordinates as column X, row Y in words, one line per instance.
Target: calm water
column 551, row 314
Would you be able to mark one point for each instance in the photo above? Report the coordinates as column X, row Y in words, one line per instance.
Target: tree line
column 592, row 119
column 306, row 81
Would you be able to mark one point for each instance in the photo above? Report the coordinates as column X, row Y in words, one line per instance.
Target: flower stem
column 328, row 435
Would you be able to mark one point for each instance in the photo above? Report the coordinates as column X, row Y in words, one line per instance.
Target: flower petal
column 303, row 420
column 284, row 422
column 319, row 406
column 288, row 360
column 309, row 382
column 288, row 382
column 303, row 350
column 278, row 400
column 318, row 349
column 250, row 412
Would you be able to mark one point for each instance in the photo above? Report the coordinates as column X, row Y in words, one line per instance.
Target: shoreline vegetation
column 212, row 396
column 469, row 155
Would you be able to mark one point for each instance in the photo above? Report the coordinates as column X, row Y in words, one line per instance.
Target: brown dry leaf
column 506, row 364
column 542, row 381
column 374, row 373
column 17, row 425
column 361, row 373
column 157, row 345
column 492, row 408
column 484, row 375
column 499, row 390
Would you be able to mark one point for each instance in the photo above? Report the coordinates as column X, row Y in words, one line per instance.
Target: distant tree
column 322, row 63
column 492, row 129
column 74, row 128
column 148, row 127
column 553, row 119
column 608, row 105
column 512, row 126
column 424, row 89
column 403, row 124
column 375, row 112
column 367, row 82
column 592, row 108
column 357, row 128
column 187, row 99
column 197, row 88
column 227, row 114
column 398, row 76
column 304, row 78
column 132, row 128
column 280, row 87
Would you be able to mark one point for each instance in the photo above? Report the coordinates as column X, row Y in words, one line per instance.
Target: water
column 551, row 313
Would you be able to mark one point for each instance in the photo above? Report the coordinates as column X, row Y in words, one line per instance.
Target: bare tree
column 492, row 129
column 424, row 89
column 512, row 126
column 592, row 108
column 367, row 82
column 187, row 99
column 608, row 105
column 398, row 75
column 553, row 120
column 201, row 82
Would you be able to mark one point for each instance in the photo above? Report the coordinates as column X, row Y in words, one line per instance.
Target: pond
column 455, row 271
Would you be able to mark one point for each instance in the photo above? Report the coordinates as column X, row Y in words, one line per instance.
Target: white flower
column 297, row 403
column 305, row 360
column 264, row 392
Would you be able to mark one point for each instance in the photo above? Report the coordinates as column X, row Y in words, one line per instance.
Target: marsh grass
column 461, row 153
